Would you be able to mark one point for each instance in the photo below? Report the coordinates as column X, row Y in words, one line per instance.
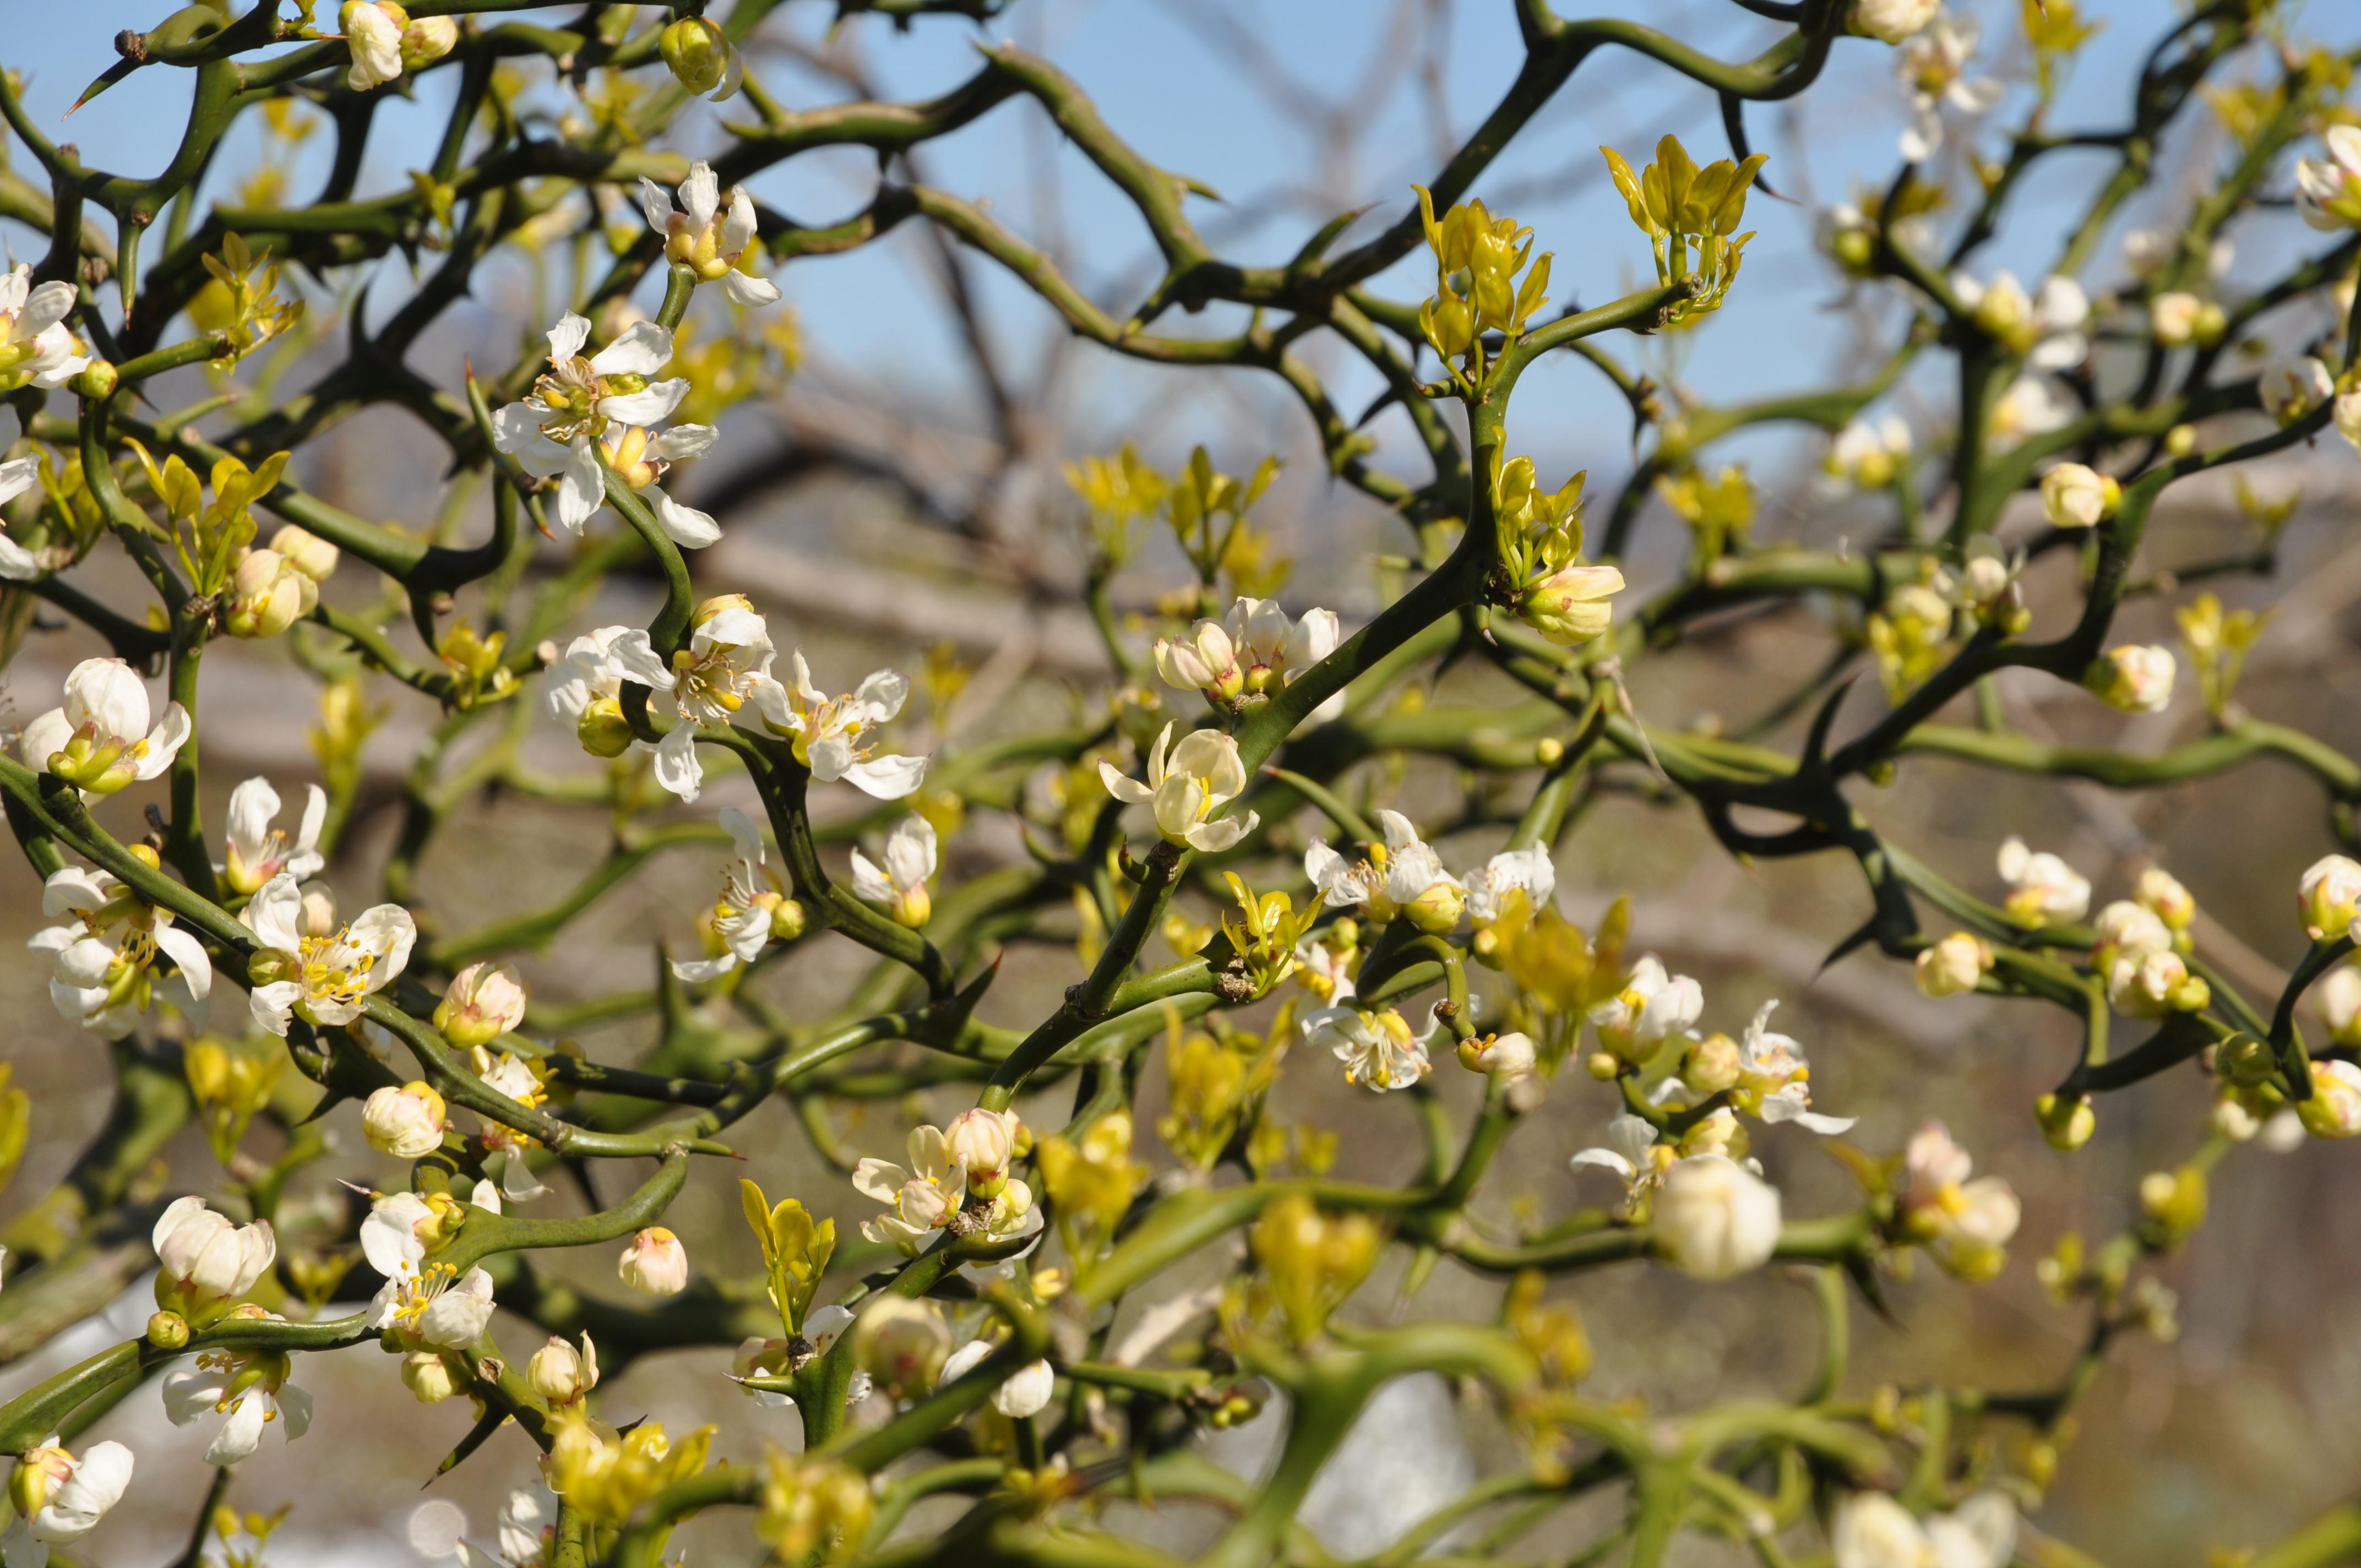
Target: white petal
column 241, row 1434
column 697, row 971
column 649, row 407
column 191, row 1393
column 273, row 1006
column 887, row 778
column 676, row 767
column 641, row 350
column 700, row 194
column 566, row 339
column 685, row 526
column 581, row 488
column 655, row 204
column 683, row 441
column 868, row 881
column 744, row 289
column 187, row 952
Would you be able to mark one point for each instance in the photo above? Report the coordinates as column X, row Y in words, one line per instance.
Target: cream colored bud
column 560, row 1373
column 1712, row 1065
column 2065, row 1123
column 655, row 1264
column 2334, row 1109
column 1954, row 965
column 406, row 1123
column 2135, row 678
column 307, row 552
column 485, row 1001
column 2074, row 495
column 982, row 1142
column 2327, row 895
column 266, row 596
column 1571, row 606
column 428, row 39
column 2160, row 891
column 427, row 1376
column 1715, row 1219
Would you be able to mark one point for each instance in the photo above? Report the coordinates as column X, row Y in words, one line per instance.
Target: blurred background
column 891, row 490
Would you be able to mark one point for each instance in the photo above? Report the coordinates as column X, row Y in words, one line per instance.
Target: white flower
column 639, row 457
column 431, row 1302
column 105, row 975
column 1715, row 1219
column 1872, row 1530
column 1417, row 887
column 17, row 565
column 1203, row 774
column 257, row 851
column 1327, row 975
column 99, row 738
column 1026, row 1391
column 2135, row 678
column 1772, row 1073
column 586, row 674
column 713, row 242
column 726, row 665
column 2327, row 894
column 2144, row 985
column 247, row 1390
column 2033, row 405
column 206, row 1259
column 405, row 1122
column 655, row 1264
column 35, row 349
column 1510, row 1056
column 2074, row 495
column 1965, row 1222
column 1652, row 1006
column 2042, row 888
column 1892, row 21
column 2328, row 190
column 372, row 30
column 1630, row 1151
column 1494, row 890
column 922, row 1197
column 746, row 916
column 1378, row 1050
column 835, row 736
column 70, row 1497
column 1870, row 455
column 2291, row 388
column 555, row 430
column 1933, row 66
column 2047, row 330
column 326, row 979
column 900, row 884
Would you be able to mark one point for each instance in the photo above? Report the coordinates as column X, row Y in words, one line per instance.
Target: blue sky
column 1190, row 98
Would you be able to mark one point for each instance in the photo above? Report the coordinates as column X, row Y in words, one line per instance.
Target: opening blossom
column 2135, row 678
column 929, row 1193
column 1771, row 1078
column 1964, row 1224
column 1199, row 776
column 1954, row 965
column 258, row 850
column 2043, row 889
column 2327, row 190
column 428, row 1303
column 1872, row 1530
column 104, row 978
column 323, row 980
column 715, row 243
column 750, row 912
column 655, row 1264
column 99, row 738
column 555, row 430
column 1513, row 885
column 2074, row 495
column 205, row 1259
column 1633, row 1152
column 404, row 1120
column 1652, row 1006
column 385, row 42
column 900, row 884
column 35, row 349
column 1401, row 879
column 1027, row 1390
column 58, row 1498
column 2327, row 895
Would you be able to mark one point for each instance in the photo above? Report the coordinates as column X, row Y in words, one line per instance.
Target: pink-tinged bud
column 982, row 1142
column 655, row 1264
column 485, row 1001
column 560, row 1373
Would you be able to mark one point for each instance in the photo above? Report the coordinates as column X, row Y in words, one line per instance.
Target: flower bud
column 982, row 1142
column 1437, row 910
column 2065, row 1123
column 406, row 1123
column 37, row 1474
column 266, row 596
column 2176, row 320
column 2174, row 1203
column 788, row 920
column 602, row 728
column 2133, row 678
column 2334, row 1109
column 1511, row 1055
column 1570, row 606
column 1712, row 1064
column 2075, row 496
column 1205, row 661
column 2340, row 1000
column 2327, row 894
column 2159, row 890
column 655, row 1264
column 1715, row 1219
column 698, row 52
column 428, row 39
column 1892, row 21
column 560, row 1373
column 305, row 551
column 1954, row 965
column 1027, row 1392
column 94, row 381
column 485, row 1001
column 168, row 1330
column 427, row 1376
column 1604, row 1066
